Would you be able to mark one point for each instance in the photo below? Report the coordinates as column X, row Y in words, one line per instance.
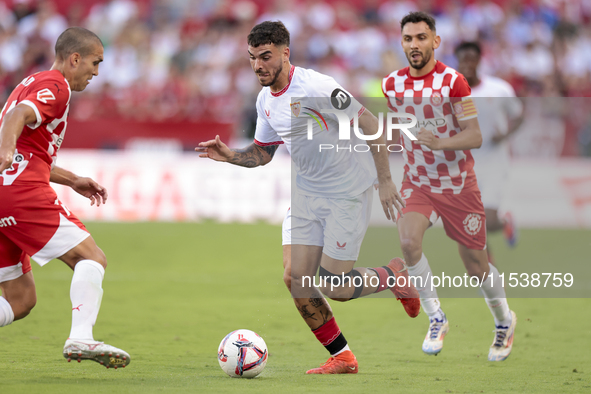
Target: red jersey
column 438, row 100
column 48, row 94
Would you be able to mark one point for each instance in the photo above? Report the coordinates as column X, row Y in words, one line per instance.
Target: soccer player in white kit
column 500, row 113
column 331, row 197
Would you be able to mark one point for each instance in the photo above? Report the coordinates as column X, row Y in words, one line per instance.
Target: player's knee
column 411, row 248
column 335, row 293
column 84, row 251
column 96, row 254
column 476, row 272
column 287, row 279
column 24, row 305
column 30, row 304
column 100, row 257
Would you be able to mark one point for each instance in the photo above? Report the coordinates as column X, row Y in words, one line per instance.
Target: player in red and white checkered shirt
column 33, row 222
column 439, row 179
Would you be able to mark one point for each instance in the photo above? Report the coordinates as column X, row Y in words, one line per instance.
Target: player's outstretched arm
column 252, row 156
column 81, row 185
column 389, row 196
column 12, row 126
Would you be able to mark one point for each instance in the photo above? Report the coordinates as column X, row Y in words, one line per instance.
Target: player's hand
column 91, row 190
column 6, row 156
column 214, row 149
column 426, row 138
column 390, row 199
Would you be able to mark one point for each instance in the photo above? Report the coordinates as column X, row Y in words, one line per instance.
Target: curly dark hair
column 269, row 32
column 416, row 17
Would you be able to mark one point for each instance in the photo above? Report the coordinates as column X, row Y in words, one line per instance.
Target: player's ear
column 286, row 53
column 436, row 42
column 75, row 59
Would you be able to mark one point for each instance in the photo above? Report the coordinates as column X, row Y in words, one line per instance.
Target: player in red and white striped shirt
column 439, row 179
column 33, row 222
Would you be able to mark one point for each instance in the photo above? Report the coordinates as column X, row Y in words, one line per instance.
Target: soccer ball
column 242, row 354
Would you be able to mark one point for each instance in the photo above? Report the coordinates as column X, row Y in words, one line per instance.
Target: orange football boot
column 344, row 362
column 408, row 295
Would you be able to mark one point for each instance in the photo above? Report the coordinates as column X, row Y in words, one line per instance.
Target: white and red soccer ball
column 242, row 354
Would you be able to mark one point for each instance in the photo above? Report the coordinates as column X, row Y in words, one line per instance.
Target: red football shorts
column 462, row 214
column 33, row 222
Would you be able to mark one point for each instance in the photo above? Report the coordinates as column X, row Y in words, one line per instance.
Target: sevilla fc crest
column 436, row 99
column 295, row 108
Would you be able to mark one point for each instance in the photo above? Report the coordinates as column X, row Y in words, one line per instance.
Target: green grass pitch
column 172, row 291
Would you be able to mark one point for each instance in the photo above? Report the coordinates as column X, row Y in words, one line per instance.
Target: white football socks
column 6, row 313
column 494, row 295
column 86, row 294
column 429, row 299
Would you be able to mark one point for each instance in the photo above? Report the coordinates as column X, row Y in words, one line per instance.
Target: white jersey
column 497, row 104
column 286, row 116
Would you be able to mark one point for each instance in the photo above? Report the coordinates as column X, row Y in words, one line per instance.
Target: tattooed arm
column 252, row 156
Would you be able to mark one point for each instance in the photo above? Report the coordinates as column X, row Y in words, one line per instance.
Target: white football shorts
column 286, row 228
column 337, row 224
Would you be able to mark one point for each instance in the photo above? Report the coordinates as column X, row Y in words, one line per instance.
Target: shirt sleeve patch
column 45, row 95
column 465, row 109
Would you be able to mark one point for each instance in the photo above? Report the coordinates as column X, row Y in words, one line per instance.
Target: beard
column 424, row 61
column 277, row 71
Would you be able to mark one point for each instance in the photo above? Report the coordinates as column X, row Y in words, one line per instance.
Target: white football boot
column 104, row 354
column 433, row 342
column 503, row 342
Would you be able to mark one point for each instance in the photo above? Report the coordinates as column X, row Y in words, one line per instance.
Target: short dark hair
column 75, row 40
column 269, row 32
column 416, row 17
column 468, row 45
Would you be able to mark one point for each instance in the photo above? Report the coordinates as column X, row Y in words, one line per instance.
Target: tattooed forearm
column 253, row 155
column 316, row 302
column 305, row 313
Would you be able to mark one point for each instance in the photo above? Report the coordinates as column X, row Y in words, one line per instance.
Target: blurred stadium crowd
column 183, row 59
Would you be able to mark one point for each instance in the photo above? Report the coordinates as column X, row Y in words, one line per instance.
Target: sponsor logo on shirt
column 7, row 221
column 317, row 116
column 431, row 124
